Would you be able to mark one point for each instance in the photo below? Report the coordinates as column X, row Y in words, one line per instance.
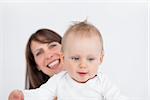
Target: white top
column 65, row 88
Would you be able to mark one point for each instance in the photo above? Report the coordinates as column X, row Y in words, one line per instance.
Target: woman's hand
column 16, row 95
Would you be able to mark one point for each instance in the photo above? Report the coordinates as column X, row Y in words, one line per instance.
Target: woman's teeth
column 52, row 64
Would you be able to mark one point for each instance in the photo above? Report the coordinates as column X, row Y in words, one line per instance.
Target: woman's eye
column 52, row 45
column 75, row 58
column 38, row 53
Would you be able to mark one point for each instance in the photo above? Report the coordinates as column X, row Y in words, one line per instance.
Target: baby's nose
column 83, row 64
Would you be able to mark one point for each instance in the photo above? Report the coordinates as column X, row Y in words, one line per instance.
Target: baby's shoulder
column 59, row 76
column 102, row 77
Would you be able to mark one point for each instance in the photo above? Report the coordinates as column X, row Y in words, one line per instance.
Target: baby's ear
column 101, row 56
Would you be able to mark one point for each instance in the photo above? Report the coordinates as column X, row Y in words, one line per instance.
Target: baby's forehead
column 84, row 33
column 83, row 37
column 80, row 43
column 78, row 38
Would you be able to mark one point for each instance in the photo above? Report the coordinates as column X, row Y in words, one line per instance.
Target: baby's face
column 82, row 57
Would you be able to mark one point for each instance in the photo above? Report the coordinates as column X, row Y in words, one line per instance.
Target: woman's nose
column 49, row 55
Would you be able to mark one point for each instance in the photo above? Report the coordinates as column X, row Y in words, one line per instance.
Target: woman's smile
column 54, row 64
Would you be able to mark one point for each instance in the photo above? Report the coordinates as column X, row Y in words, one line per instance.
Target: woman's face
column 47, row 57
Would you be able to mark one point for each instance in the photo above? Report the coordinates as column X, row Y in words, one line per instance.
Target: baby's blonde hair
column 82, row 29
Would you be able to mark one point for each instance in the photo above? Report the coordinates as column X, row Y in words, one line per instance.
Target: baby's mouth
column 54, row 63
column 82, row 73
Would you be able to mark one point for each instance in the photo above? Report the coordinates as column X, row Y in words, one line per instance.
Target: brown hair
column 83, row 29
column 34, row 77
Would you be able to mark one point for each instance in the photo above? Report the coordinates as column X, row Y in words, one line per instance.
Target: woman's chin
column 58, row 69
column 55, row 70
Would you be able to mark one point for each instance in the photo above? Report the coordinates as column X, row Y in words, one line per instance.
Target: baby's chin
column 84, row 80
column 80, row 81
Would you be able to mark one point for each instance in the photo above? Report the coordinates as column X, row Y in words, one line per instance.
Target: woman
column 42, row 59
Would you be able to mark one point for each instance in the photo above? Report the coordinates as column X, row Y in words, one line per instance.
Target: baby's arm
column 46, row 91
column 33, row 94
column 19, row 95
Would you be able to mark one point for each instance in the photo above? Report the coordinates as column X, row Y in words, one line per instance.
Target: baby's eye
column 91, row 59
column 75, row 58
